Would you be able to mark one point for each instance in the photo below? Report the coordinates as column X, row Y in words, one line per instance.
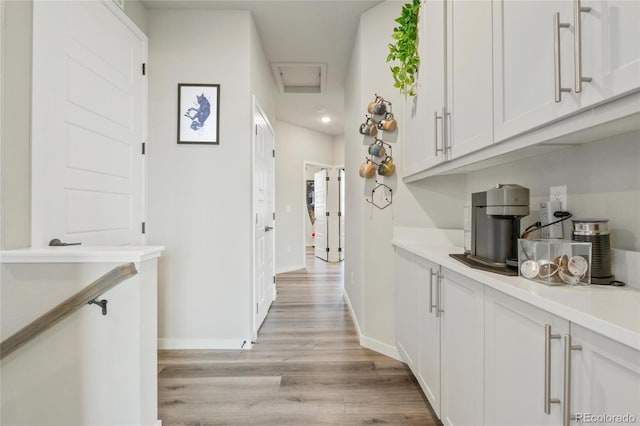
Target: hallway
column 306, row 368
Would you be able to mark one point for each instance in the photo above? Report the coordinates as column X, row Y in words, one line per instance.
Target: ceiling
column 300, row 31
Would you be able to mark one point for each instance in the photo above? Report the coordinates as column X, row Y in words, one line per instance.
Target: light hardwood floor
column 306, row 368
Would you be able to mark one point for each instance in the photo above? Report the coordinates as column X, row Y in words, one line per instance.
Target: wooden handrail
column 64, row 309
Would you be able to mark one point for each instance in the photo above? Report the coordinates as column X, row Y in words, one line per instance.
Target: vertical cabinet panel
column 515, row 362
column 462, row 350
column 407, row 283
column 605, row 378
column 430, row 323
column 469, row 76
column 423, row 134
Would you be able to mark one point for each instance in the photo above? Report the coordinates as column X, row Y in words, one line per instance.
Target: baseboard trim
column 345, row 296
column 290, row 268
column 383, row 348
column 367, row 342
column 204, row 343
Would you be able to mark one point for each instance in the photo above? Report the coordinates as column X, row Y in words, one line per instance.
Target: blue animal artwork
column 199, row 115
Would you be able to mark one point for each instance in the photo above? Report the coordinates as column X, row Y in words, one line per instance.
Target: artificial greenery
column 405, row 49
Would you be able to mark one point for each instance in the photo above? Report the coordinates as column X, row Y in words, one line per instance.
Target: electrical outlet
column 547, row 209
column 559, row 193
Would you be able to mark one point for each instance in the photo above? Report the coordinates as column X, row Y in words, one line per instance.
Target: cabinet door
column 429, row 359
column 469, row 76
column 609, row 48
column 605, row 379
column 523, row 64
column 407, row 281
column 462, row 350
column 515, row 362
column 422, row 133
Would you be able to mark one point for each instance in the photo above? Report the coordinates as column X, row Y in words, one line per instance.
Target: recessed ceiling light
column 326, row 119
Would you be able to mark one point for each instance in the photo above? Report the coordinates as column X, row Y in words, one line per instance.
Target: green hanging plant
column 405, row 49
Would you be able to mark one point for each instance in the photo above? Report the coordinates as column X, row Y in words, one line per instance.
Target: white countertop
column 611, row 311
column 81, row 254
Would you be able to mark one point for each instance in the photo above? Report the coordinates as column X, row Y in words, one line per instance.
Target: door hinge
column 144, row 68
column 144, row 148
column 339, row 178
column 274, row 279
column 256, row 129
column 274, row 153
column 339, row 214
column 327, row 178
column 274, row 215
column 327, row 249
column 144, row 227
column 327, row 213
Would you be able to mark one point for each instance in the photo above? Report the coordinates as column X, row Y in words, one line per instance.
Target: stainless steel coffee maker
column 495, row 228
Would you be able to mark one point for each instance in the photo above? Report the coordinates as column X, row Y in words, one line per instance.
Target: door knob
column 268, row 228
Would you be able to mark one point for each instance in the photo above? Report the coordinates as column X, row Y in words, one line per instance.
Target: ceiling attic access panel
column 300, row 77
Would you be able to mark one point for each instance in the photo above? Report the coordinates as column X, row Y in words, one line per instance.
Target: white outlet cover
column 559, row 193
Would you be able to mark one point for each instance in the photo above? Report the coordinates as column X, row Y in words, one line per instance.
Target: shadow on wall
column 442, row 198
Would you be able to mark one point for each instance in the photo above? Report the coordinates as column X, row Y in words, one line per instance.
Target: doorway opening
column 323, row 222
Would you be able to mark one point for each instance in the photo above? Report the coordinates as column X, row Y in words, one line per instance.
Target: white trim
column 290, row 268
column 367, row 342
column 345, row 296
column 204, row 343
column 380, row 347
column 158, row 423
column 124, row 18
column 81, row 254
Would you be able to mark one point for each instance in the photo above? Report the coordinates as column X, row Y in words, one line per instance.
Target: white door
column 605, row 379
column 88, row 124
column 263, row 204
column 469, row 76
column 610, row 49
column 429, row 331
column 341, row 221
column 422, row 132
column 462, row 350
column 321, row 226
column 524, row 72
column 515, row 362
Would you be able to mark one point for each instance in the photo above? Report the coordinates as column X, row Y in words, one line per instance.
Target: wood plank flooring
column 306, row 368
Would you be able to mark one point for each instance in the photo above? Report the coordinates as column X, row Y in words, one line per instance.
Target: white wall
column 138, row 14
column 338, row 149
column 436, row 203
column 602, row 178
column 294, row 146
column 200, row 196
column 15, row 202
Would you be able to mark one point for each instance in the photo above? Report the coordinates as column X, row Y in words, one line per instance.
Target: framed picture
column 199, row 113
column 311, row 195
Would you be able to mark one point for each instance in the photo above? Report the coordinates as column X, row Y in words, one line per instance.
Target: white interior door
column 264, row 213
column 88, row 124
column 321, row 226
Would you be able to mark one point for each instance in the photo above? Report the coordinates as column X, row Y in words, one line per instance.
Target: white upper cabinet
column 469, row 77
column 452, row 113
column 423, row 143
column 555, row 58
column 526, row 76
column 607, row 47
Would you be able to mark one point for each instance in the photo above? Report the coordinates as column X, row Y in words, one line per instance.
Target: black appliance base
column 502, row 270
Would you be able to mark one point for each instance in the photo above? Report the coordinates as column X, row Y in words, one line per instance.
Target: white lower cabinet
column 485, row 358
column 517, row 336
column 407, row 320
column 604, row 378
column 462, row 350
column 428, row 372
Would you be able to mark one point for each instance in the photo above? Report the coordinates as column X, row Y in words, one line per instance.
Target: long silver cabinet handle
column 556, row 57
column 568, row 347
column 438, row 306
column 577, row 50
column 547, row 369
column 446, row 142
column 436, row 150
column 431, row 305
